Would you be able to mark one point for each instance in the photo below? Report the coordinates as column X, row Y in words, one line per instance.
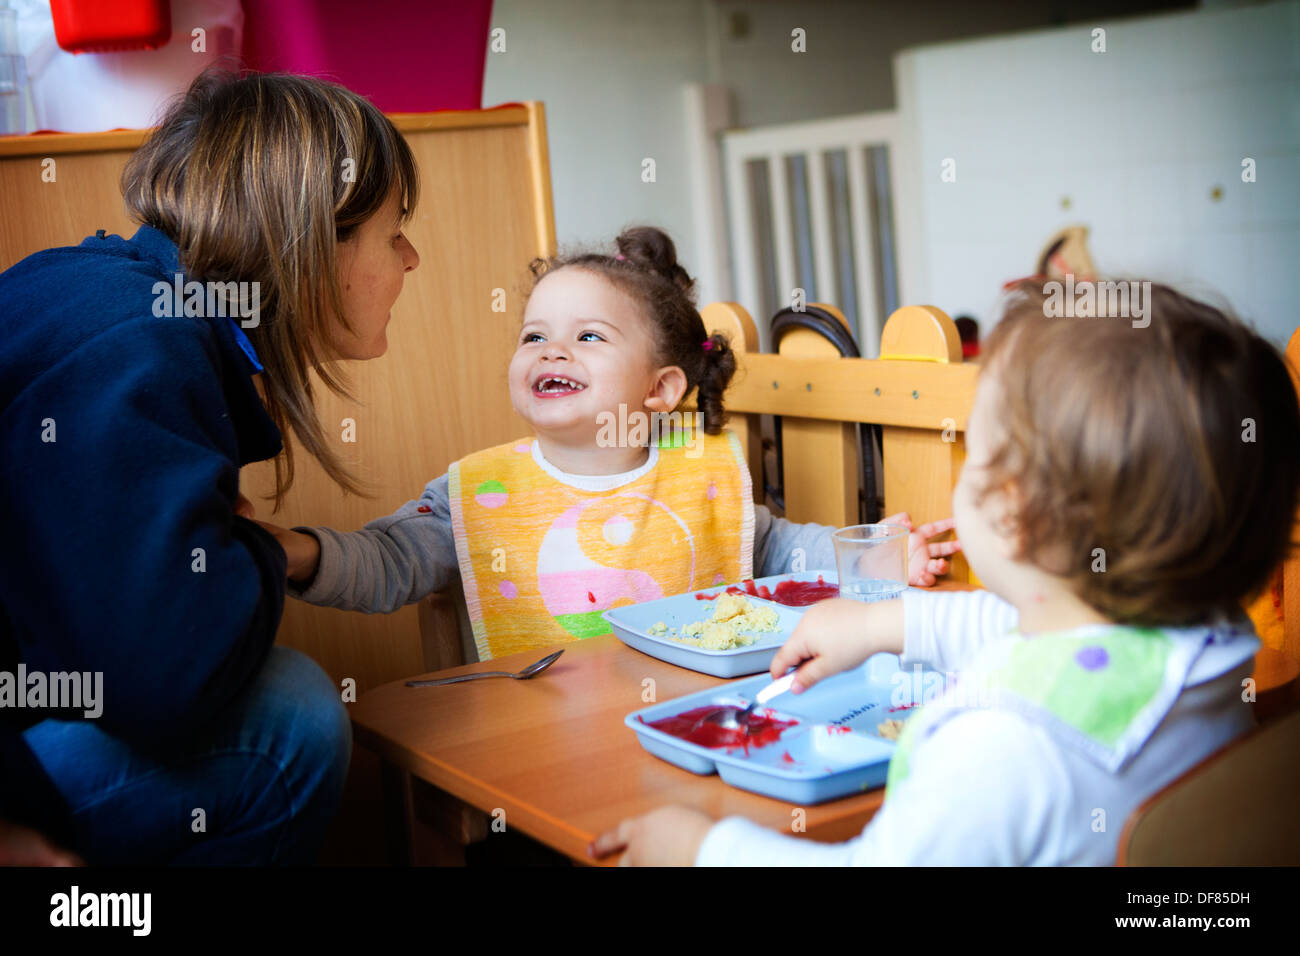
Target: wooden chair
column 1239, row 807
column 1291, row 567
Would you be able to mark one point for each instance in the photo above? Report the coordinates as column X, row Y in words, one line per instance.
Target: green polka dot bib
column 1099, row 690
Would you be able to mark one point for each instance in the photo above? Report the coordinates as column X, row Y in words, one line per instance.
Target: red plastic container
column 93, row 26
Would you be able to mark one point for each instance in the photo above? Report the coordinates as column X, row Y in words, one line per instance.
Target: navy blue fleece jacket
column 151, row 419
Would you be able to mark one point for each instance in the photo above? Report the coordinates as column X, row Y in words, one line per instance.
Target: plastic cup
column 871, row 560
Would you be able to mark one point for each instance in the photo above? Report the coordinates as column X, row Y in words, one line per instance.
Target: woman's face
column 372, row 264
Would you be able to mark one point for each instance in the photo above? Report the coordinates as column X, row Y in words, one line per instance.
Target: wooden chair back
column 1236, row 808
column 919, row 390
column 1291, row 567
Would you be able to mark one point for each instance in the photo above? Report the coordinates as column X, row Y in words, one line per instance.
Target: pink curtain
column 405, row 56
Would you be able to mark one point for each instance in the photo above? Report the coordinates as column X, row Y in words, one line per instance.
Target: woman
column 126, row 411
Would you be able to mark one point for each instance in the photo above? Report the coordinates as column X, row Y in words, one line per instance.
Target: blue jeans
column 267, row 777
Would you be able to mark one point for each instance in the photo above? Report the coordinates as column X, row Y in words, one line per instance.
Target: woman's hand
column 21, row 846
column 301, row 551
column 924, row 560
column 669, row 836
column 838, row 635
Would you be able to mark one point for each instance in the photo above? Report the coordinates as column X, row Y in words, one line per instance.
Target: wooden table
column 552, row 754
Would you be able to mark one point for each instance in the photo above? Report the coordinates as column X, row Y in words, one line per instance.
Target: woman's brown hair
column 646, row 268
column 258, row 177
column 1173, row 448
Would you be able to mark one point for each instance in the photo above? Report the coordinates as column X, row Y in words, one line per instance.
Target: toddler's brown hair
column 1173, row 448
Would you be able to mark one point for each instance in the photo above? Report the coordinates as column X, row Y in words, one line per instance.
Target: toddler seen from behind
column 1124, row 489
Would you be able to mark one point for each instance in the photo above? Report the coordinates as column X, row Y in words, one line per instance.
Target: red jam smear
column 791, row 593
column 691, row 727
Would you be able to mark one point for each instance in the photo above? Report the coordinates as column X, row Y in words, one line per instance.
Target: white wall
column 612, row 74
column 90, row 92
column 1136, row 138
column 851, row 44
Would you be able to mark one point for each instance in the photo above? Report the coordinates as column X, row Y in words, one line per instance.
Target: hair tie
column 708, row 344
column 620, row 257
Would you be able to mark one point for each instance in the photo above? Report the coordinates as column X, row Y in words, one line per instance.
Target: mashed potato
column 890, row 729
column 735, row 622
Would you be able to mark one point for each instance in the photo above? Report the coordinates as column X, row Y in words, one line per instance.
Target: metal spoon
column 730, row 717
column 532, row 670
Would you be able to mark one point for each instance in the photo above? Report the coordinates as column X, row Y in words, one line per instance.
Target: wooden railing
column 919, row 391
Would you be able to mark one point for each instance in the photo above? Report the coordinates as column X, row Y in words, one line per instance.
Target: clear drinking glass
column 871, row 560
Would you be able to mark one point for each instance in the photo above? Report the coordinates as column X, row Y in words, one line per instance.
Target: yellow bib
column 541, row 558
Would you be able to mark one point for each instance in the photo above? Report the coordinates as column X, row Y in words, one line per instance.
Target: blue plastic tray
column 632, row 625
column 817, row 759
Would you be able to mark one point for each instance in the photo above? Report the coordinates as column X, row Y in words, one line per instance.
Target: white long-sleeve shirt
column 992, row 787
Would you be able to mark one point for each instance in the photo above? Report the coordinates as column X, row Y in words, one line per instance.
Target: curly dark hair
column 646, row 268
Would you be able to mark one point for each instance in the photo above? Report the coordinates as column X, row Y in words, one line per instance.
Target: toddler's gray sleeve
column 392, row 561
column 778, row 542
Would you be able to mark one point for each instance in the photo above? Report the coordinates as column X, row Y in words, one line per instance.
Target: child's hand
column 925, row 560
column 838, row 635
column 669, row 836
column 301, row 551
